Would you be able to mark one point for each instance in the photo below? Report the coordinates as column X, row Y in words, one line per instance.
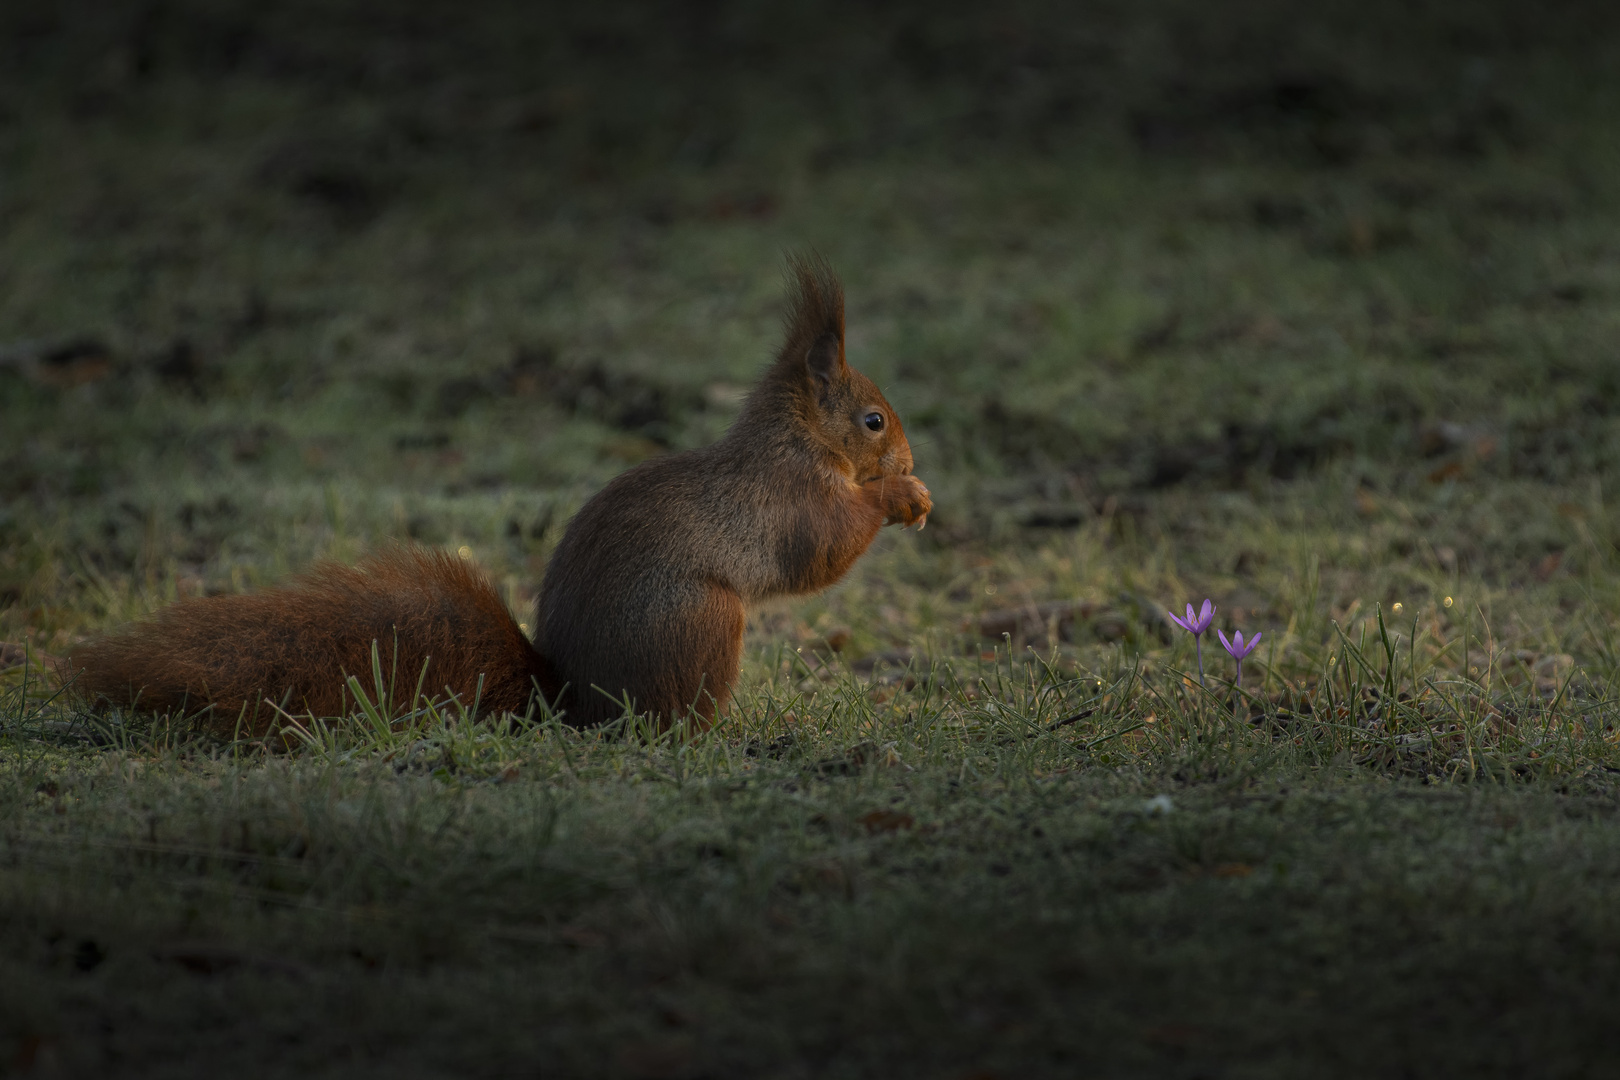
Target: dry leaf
column 887, row 821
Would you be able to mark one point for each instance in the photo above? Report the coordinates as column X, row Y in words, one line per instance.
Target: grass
column 829, row 886
column 1314, row 318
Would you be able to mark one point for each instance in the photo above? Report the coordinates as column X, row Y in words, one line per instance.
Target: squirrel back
column 643, row 602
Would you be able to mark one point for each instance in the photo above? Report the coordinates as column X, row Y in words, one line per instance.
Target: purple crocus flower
column 1196, row 625
column 1238, row 650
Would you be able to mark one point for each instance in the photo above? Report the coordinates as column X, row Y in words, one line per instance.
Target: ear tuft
column 825, row 360
column 814, row 341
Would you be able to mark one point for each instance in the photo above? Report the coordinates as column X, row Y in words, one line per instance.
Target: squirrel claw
column 922, row 521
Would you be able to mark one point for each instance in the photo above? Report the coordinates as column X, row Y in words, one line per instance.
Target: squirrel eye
column 874, row 421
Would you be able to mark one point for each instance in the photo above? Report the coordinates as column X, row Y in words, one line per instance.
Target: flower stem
column 1198, row 639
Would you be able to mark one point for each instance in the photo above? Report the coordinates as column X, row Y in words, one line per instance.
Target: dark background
column 1311, row 309
column 388, row 258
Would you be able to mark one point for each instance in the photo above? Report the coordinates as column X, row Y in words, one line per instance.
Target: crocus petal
column 1252, row 643
column 1225, row 644
column 1178, row 622
column 1198, row 622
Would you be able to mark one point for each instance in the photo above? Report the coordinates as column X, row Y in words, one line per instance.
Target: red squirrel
column 643, row 602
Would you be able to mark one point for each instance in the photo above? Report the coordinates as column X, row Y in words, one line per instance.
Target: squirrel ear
column 825, row 359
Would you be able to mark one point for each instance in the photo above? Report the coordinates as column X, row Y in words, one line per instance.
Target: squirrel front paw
column 904, row 500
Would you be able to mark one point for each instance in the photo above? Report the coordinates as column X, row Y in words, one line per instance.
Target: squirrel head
column 843, row 410
column 853, row 418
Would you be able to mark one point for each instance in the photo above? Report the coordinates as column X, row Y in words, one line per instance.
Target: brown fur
column 644, row 599
column 294, row 646
column 645, row 594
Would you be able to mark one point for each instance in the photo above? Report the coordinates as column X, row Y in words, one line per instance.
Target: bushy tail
column 294, row 645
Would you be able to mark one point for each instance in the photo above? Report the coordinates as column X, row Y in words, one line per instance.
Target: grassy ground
column 1313, row 318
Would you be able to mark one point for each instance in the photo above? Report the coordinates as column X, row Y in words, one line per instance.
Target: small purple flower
column 1238, row 650
column 1196, row 625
